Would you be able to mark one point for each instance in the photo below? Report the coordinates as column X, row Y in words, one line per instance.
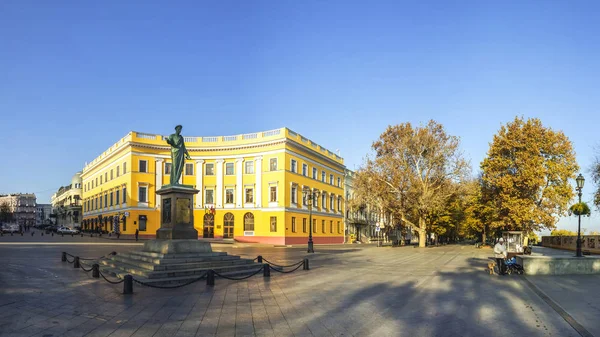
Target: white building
column 42, row 213
column 66, row 203
column 22, row 207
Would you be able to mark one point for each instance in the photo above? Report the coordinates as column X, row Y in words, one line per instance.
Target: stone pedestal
column 177, row 246
column 177, row 214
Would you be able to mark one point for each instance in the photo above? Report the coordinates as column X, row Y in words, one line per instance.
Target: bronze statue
column 178, row 154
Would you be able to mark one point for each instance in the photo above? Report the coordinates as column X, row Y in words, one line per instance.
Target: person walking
column 137, row 232
column 500, row 254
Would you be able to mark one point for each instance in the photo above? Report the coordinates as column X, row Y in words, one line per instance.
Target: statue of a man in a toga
column 178, row 154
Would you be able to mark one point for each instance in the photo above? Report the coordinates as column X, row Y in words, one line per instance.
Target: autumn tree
column 562, row 232
column 6, row 214
column 415, row 169
column 479, row 211
column 526, row 175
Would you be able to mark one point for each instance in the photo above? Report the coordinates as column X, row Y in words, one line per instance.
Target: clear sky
column 75, row 76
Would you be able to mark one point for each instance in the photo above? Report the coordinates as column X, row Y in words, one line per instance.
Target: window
column 229, row 169
column 339, row 227
column 111, row 174
column 116, row 197
column 331, row 179
column 304, row 225
column 118, row 167
column 249, row 167
column 314, row 226
column 249, row 222
column 323, row 176
column 293, row 224
column 210, row 197
column 273, row 224
column 100, row 179
column 96, row 181
column 100, row 201
column 124, row 194
column 105, row 177
column 142, row 194
column 143, row 166
column 303, row 199
column 189, row 169
column 210, row 169
column 315, row 200
column 229, row 196
column 331, row 206
column 304, row 169
column 324, row 200
column 273, row 164
column 111, row 198
column 96, row 203
column 314, row 173
column 294, row 166
column 331, row 226
column 168, row 167
column 249, row 195
column 124, row 168
column 339, row 208
column 294, row 195
column 273, row 194
column 339, row 182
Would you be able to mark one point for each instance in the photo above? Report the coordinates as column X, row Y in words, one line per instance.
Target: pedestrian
column 500, row 254
column 137, row 232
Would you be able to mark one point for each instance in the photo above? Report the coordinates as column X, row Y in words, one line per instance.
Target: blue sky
column 76, row 76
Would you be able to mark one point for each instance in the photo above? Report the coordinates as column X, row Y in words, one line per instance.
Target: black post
column 579, row 230
column 210, row 278
column 266, row 270
column 95, row 270
column 63, row 257
column 32, row 233
column 310, row 224
column 305, row 266
column 260, row 259
column 76, row 262
column 128, row 285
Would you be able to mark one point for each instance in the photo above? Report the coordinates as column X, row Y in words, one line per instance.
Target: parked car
column 10, row 228
column 66, row 230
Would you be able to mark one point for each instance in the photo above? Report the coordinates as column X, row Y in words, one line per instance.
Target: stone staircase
column 170, row 269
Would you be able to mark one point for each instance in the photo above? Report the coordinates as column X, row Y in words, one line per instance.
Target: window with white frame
column 293, row 224
column 249, row 195
column 304, row 169
column 331, row 179
column 229, row 195
column 168, row 167
column 273, row 224
column 294, row 166
column 189, row 169
column 118, row 167
column 273, row 164
column 339, row 182
column 124, row 167
column 339, row 208
column 323, row 175
column 315, row 199
column 143, row 166
column 294, row 197
column 229, row 169
column 209, row 196
column 331, row 206
column 324, row 200
column 143, row 193
column 304, row 199
column 314, row 176
column 249, row 167
column 210, row 169
column 273, row 194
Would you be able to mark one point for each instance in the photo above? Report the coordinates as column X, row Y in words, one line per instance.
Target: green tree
column 479, row 211
column 6, row 214
column 526, row 175
column 416, row 168
column 562, row 232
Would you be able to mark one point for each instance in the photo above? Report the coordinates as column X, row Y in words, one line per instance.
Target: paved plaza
column 351, row 290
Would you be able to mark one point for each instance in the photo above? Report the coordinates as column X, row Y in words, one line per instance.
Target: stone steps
column 178, row 260
column 178, row 265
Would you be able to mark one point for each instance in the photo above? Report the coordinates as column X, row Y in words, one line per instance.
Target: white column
column 200, row 195
column 239, row 188
column 219, row 192
column 158, row 180
column 258, row 173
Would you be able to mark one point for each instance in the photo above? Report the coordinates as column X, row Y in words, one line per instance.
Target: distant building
column 42, row 213
column 66, row 203
column 22, row 205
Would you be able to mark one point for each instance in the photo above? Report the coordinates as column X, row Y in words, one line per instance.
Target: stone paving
column 350, row 291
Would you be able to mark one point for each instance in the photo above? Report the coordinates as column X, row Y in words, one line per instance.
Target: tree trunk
column 422, row 233
column 483, row 237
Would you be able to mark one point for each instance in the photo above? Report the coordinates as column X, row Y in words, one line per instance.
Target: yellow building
column 250, row 187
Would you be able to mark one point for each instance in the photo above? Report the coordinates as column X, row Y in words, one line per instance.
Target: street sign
column 377, row 228
column 126, row 213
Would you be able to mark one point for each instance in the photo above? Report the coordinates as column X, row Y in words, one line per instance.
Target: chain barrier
column 85, row 270
column 240, row 278
column 171, row 287
column 71, row 260
column 289, row 271
column 109, row 281
column 280, row 266
column 101, row 257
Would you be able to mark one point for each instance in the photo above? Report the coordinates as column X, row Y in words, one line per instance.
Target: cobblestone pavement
column 350, row 291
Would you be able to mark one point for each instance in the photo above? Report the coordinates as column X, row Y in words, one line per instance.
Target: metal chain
column 285, row 272
column 71, row 260
column 85, row 270
column 109, row 281
column 101, row 257
column 171, row 287
column 238, row 279
column 280, row 266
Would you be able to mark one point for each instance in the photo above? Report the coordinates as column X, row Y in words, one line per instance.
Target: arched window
column 228, row 222
column 248, row 222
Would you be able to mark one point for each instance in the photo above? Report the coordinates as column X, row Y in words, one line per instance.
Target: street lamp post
column 580, row 180
column 309, row 196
